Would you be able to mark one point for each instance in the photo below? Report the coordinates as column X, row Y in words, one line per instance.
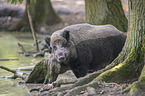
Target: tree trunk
column 101, row 12
column 21, row 25
column 39, row 73
column 131, row 67
column 42, row 14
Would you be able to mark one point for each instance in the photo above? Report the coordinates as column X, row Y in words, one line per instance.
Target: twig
column 21, row 47
column 112, row 84
column 32, row 29
column 10, row 70
column 28, row 68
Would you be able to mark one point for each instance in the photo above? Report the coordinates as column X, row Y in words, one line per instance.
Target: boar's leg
column 47, row 41
column 80, row 71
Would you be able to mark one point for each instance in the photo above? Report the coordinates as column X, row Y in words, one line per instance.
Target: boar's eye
column 63, row 45
column 54, row 47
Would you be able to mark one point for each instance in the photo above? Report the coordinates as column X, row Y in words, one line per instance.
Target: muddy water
column 8, row 50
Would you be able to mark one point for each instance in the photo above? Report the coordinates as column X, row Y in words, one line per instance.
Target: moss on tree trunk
column 44, row 14
column 39, row 73
column 131, row 67
column 101, row 12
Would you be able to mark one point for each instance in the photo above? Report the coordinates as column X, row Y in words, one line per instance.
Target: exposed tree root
column 60, row 82
column 127, row 71
column 77, row 82
column 130, row 69
column 81, row 83
column 55, row 84
column 95, row 87
column 138, row 87
column 135, row 89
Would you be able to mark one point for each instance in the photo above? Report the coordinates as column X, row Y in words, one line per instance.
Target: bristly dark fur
column 90, row 47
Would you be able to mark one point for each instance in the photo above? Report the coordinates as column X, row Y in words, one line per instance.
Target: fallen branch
column 7, row 69
column 28, row 68
column 34, row 54
column 15, row 73
column 38, row 54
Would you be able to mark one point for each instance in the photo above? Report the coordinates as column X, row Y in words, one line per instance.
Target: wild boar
column 84, row 47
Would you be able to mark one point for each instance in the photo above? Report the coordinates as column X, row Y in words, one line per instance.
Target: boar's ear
column 66, row 34
column 47, row 41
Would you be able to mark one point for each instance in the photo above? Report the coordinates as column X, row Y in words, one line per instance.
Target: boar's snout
column 60, row 57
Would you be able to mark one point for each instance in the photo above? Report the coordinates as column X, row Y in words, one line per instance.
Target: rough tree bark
column 132, row 56
column 42, row 14
column 101, row 12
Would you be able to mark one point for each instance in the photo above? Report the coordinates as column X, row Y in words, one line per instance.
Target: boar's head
column 60, row 46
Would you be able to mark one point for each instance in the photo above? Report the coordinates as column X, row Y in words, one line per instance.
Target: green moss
column 117, row 74
column 126, row 90
column 129, row 69
column 134, row 87
column 142, row 77
column 142, row 82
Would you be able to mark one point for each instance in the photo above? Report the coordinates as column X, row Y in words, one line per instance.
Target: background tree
column 101, row 12
column 42, row 14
